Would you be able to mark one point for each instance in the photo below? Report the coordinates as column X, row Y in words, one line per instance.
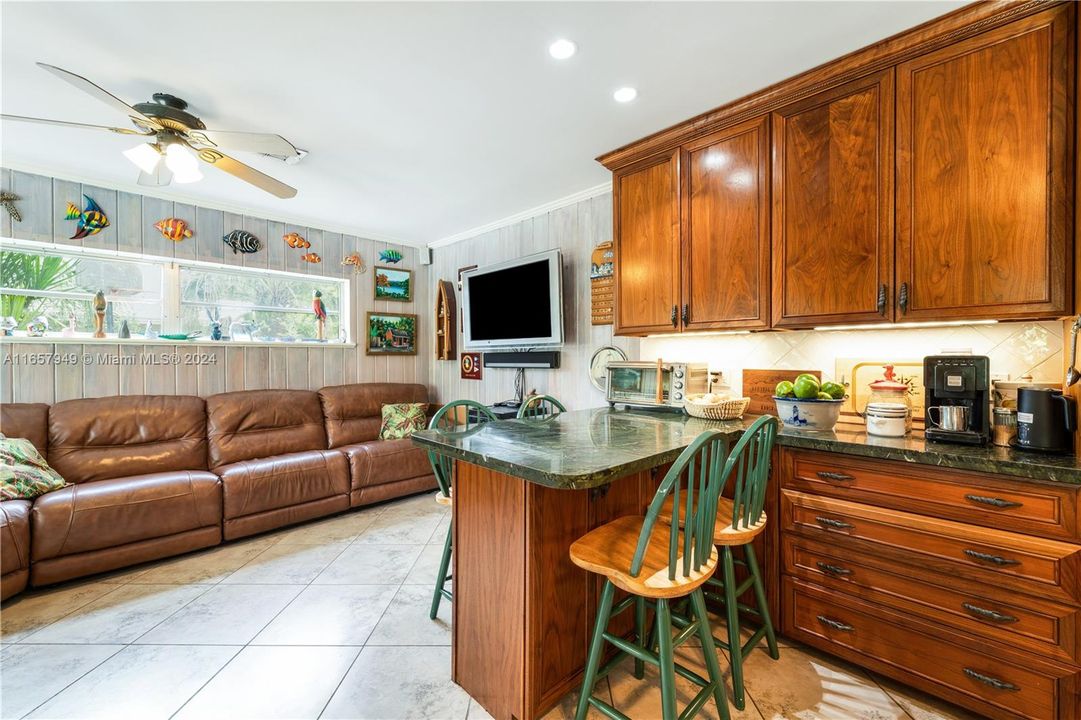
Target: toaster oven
column 653, row 384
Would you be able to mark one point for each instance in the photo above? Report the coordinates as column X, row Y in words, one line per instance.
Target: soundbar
column 531, row 359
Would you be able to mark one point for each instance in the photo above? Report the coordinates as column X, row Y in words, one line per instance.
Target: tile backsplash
column 1016, row 349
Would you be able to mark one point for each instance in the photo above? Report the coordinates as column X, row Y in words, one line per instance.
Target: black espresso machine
column 957, row 400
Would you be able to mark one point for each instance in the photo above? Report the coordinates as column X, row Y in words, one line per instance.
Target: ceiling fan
column 178, row 140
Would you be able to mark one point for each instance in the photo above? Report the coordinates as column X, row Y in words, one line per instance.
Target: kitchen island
column 524, row 490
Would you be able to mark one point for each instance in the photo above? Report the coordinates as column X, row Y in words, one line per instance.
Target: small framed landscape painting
column 393, row 284
column 391, row 334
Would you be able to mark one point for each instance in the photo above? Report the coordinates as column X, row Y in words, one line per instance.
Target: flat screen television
column 514, row 304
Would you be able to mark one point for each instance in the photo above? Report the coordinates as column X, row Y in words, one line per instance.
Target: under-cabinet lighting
column 908, row 325
column 718, row 333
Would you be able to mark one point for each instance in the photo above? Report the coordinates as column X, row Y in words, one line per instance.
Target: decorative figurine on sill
column 125, row 331
column 242, row 241
column 7, row 326
column 149, row 332
column 69, row 331
column 295, row 240
column 173, row 229
column 215, row 323
column 8, row 201
column 99, row 314
column 91, row 220
column 390, row 256
column 37, row 326
column 356, row 261
column 320, row 316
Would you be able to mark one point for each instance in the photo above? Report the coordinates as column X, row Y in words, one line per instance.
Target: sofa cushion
column 26, row 420
column 385, row 461
column 254, row 486
column 110, row 513
column 401, row 420
column 123, row 436
column 24, row 474
column 14, row 545
column 254, row 424
column 354, row 412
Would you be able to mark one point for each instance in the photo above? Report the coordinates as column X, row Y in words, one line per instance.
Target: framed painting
column 393, row 284
column 391, row 334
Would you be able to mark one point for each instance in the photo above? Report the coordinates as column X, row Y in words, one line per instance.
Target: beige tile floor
column 328, row 619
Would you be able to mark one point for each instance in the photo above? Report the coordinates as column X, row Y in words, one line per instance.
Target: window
column 170, row 297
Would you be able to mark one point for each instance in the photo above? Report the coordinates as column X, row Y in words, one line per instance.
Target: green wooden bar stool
column 538, row 406
column 657, row 562
column 457, row 416
column 743, row 518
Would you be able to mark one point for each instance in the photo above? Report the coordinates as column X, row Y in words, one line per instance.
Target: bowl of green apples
column 804, row 403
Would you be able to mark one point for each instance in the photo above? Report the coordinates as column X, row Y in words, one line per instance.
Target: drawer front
column 987, row 500
column 985, row 611
column 997, row 684
column 1047, row 568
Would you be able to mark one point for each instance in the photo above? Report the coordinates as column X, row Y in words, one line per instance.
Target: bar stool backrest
column 748, row 467
column 536, row 406
column 457, row 416
column 694, row 482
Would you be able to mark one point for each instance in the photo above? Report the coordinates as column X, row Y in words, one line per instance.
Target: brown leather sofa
column 154, row 476
column 378, row 469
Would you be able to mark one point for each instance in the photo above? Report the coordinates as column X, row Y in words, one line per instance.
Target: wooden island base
column 523, row 613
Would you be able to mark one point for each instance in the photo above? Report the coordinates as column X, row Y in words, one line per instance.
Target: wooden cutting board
column 758, row 385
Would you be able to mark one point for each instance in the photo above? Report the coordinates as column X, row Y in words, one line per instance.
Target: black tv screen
column 514, row 306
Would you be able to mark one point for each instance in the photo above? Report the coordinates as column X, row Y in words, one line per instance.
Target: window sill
column 201, row 342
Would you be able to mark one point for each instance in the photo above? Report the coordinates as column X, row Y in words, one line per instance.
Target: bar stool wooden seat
column 540, row 406
column 457, row 416
column 742, row 518
column 657, row 562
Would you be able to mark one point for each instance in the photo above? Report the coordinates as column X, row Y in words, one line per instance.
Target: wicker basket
column 727, row 410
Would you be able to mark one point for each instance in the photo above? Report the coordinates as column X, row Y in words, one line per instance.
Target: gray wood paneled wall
column 575, row 229
column 42, row 204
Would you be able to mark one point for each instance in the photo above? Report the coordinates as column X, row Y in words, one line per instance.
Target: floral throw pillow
column 402, row 420
column 24, row 474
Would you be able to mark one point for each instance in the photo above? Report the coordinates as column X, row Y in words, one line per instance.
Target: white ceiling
column 423, row 120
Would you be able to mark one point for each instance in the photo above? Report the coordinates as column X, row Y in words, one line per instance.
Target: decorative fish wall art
column 91, row 220
column 8, row 201
column 311, row 258
column 356, row 261
column 242, row 241
column 173, row 229
column 390, row 256
column 295, row 240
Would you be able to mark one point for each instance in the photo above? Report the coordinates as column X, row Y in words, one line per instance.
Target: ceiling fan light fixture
column 183, row 163
column 187, row 175
column 145, row 157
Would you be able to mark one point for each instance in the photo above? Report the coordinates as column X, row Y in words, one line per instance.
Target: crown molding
column 548, row 207
column 29, row 167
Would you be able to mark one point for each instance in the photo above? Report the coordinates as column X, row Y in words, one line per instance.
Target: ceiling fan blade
column 265, row 143
column 161, row 176
column 246, row 173
column 101, row 94
column 83, row 126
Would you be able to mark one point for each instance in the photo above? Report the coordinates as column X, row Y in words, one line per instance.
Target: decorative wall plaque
column 602, row 283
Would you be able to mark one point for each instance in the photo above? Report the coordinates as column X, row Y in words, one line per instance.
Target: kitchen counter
column 589, row 448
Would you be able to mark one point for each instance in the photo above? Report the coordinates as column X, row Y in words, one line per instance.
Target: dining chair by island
column 539, row 406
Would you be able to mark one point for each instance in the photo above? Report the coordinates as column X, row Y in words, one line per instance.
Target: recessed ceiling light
column 562, row 49
column 625, row 94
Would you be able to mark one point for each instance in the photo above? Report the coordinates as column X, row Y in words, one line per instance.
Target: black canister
column 1045, row 420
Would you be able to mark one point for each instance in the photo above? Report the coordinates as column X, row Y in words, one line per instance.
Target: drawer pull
column 835, row 624
column 833, row 569
column 993, row 501
column 992, row 681
column 988, row 614
column 987, row 557
column 827, row 475
column 830, row 522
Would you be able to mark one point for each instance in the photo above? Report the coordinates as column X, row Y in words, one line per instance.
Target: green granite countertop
column 588, row 448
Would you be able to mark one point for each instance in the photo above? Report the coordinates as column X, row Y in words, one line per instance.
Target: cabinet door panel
column 983, row 179
column 833, row 205
column 726, row 229
column 647, row 245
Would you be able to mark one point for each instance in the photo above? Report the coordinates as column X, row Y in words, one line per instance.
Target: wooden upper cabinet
column 833, row 206
column 984, row 174
column 646, row 214
column 726, row 229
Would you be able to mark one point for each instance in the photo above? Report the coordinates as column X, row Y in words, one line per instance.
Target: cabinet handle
column 993, row 501
column 835, row 624
column 902, row 298
column 992, row 681
column 882, row 300
column 835, row 570
column 827, row 475
column 987, row 557
column 686, row 316
column 988, row 614
column 674, row 317
column 830, row 522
